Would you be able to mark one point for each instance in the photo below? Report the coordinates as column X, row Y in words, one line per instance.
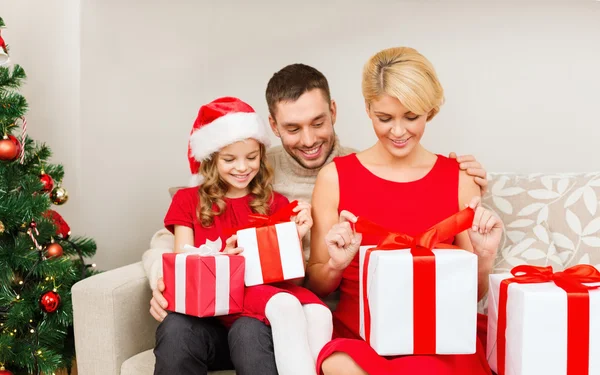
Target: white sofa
column 549, row 219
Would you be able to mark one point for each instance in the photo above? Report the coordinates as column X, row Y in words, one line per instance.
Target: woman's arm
column 331, row 235
column 467, row 191
column 183, row 236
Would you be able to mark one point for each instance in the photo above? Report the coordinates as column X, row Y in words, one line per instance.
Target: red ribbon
column 578, row 310
column 258, row 220
column 424, row 307
column 268, row 243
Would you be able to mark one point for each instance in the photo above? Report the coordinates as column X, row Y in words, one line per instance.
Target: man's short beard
column 301, row 162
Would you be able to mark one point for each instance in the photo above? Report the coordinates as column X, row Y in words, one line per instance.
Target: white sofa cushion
column 143, row 364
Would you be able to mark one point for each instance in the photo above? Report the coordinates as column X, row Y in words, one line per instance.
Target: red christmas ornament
column 54, row 250
column 10, row 148
column 47, row 181
column 62, row 228
column 4, row 371
column 49, row 301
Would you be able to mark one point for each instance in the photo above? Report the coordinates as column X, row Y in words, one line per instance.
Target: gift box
column 414, row 299
column 544, row 322
column 204, row 285
column 272, row 248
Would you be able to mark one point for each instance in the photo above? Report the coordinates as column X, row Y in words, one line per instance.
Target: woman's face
column 398, row 129
column 239, row 163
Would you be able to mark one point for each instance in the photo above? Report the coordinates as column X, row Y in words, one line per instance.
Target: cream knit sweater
column 291, row 179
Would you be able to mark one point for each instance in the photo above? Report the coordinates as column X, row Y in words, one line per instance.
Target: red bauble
column 10, row 148
column 4, row 371
column 47, row 181
column 54, row 250
column 62, row 228
column 49, row 301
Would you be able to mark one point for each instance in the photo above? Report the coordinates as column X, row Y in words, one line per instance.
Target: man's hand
column 469, row 164
column 158, row 303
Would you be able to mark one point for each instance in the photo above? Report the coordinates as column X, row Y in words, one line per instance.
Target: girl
column 396, row 183
column 227, row 150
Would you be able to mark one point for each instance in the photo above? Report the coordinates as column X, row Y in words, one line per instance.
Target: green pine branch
column 12, row 106
column 11, row 79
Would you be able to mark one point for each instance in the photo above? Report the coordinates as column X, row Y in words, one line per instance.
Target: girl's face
column 238, row 164
column 398, row 129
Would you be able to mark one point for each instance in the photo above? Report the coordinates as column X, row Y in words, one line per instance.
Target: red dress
column 395, row 206
column 183, row 211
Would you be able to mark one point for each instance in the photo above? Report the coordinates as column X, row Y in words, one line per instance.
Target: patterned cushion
column 534, row 247
column 549, row 219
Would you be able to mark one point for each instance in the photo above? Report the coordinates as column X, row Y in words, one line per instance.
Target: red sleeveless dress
column 409, row 207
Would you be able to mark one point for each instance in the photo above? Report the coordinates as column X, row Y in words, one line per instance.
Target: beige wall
column 521, row 80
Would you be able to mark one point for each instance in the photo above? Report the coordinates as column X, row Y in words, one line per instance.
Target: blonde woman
column 401, row 185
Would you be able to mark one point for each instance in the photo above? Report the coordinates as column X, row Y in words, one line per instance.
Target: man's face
column 305, row 128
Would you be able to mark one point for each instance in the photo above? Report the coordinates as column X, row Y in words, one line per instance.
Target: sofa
column 550, row 219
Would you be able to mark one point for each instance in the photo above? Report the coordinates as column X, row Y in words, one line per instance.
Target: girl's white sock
column 319, row 327
column 288, row 325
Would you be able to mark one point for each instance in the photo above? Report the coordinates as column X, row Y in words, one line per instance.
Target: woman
column 398, row 184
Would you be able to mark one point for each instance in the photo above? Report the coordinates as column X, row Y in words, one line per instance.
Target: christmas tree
column 39, row 259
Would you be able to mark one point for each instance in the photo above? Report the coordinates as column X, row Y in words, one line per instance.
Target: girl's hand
column 303, row 218
column 342, row 242
column 231, row 246
column 486, row 231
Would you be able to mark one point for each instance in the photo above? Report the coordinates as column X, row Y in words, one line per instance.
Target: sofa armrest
column 111, row 319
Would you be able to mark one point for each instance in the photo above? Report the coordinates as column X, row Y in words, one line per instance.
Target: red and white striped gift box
column 204, row 285
column 273, row 253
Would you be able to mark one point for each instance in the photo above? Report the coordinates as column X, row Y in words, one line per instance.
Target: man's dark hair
column 291, row 82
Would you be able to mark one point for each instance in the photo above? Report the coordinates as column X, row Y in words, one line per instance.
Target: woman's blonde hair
column 405, row 74
column 213, row 189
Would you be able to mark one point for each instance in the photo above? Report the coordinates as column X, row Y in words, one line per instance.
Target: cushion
column 143, row 364
column 535, row 247
column 557, row 214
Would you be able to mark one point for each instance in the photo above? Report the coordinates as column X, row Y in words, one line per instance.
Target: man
column 302, row 114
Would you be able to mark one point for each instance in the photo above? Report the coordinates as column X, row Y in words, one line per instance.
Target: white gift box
column 390, row 295
column 273, row 253
column 536, row 328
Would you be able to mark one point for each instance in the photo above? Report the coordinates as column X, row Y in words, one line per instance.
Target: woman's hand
column 231, row 246
column 303, row 218
column 486, row 232
column 342, row 242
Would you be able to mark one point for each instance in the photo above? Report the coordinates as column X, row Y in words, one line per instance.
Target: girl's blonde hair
column 213, row 189
column 405, row 74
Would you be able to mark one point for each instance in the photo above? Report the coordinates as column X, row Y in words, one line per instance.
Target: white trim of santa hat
column 220, row 123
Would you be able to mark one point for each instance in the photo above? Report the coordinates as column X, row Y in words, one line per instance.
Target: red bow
column 258, row 220
column 424, row 271
column 578, row 310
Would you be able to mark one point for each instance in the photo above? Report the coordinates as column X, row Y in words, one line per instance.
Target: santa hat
column 4, row 59
column 220, row 123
